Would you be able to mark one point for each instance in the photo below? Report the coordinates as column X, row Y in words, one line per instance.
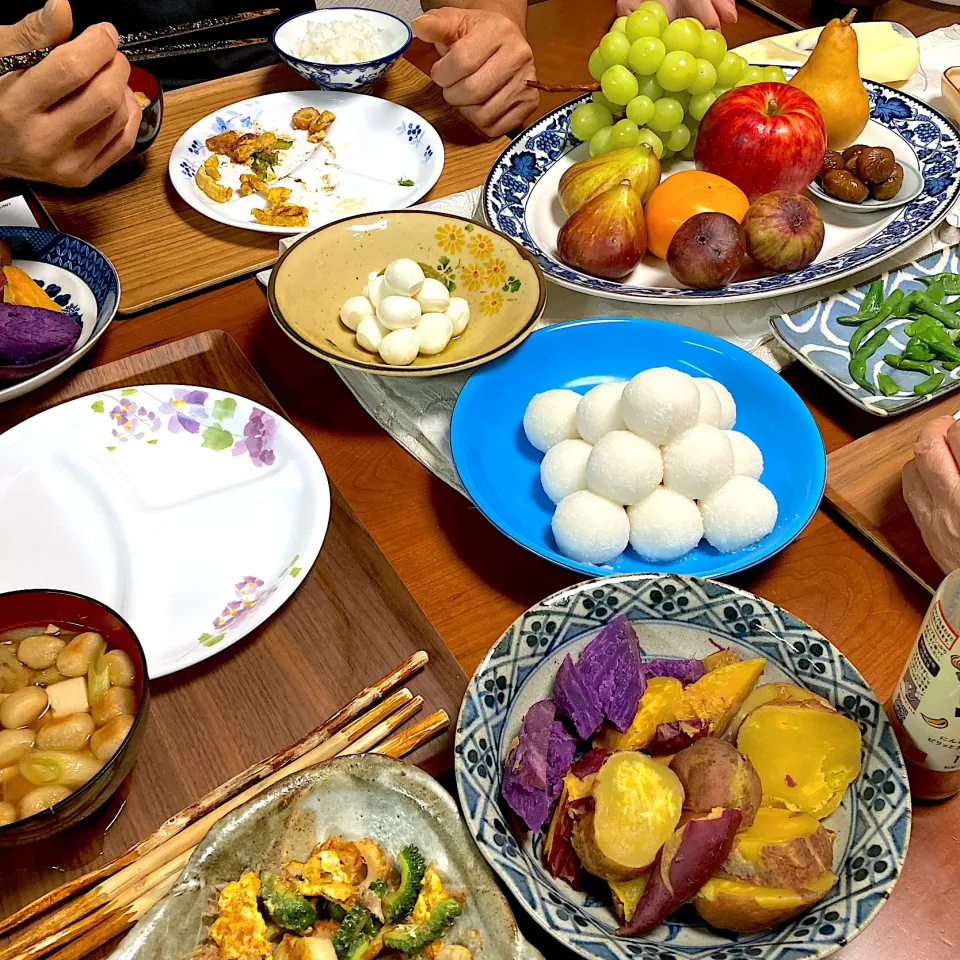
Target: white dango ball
column 396, row 312
column 698, row 461
column 370, row 331
column 747, row 458
column 404, row 277
column 660, row 403
column 664, row 526
column 375, row 291
column 435, row 331
column 550, row 417
column 589, row 528
column 433, row 296
column 709, row 403
column 623, row 467
column 563, row 469
column 739, row 514
column 458, row 310
column 599, row 411
column 354, row 310
column 728, row 408
column 399, row 348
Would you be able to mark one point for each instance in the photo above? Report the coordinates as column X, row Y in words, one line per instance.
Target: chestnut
column 851, row 153
column 890, row 187
column 843, row 185
column 875, row 164
column 832, row 161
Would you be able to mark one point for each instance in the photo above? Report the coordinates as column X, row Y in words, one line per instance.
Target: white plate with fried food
column 289, row 162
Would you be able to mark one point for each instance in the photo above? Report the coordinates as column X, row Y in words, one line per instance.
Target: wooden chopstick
column 260, row 772
column 185, row 49
column 20, row 61
column 98, row 928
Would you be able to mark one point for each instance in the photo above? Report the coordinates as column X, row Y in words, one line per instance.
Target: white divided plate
column 192, row 512
column 375, row 144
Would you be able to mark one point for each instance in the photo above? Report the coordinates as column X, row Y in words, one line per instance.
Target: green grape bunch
column 658, row 78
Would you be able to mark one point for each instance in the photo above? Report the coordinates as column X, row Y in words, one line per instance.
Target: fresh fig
column 783, row 231
column 607, row 236
column 707, row 251
column 584, row 180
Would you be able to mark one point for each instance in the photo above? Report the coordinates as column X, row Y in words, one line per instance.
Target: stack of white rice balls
column 654, row 463
column 402, row 313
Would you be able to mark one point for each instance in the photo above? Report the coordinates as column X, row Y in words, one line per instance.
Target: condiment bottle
column 925, row 709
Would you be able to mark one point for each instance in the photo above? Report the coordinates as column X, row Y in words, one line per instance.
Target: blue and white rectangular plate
column 820, row 343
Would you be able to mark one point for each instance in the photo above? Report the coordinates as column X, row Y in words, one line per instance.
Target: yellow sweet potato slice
column 626, row 895
column 718, row 695
column 652, row 710
column 765, row 693
column 20, row 289
column 806, row 754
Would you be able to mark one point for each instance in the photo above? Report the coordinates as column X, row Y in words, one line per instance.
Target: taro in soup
column 67, row 702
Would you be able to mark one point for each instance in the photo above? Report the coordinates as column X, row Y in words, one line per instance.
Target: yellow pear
column 831, row 77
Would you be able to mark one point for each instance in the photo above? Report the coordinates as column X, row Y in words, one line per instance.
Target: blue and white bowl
column 680, row 617
column 393, row 32
column 74, row 275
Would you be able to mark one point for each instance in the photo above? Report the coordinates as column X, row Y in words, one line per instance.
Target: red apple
column 763, row 137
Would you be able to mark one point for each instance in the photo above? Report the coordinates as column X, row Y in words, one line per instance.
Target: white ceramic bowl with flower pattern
column 392, row 34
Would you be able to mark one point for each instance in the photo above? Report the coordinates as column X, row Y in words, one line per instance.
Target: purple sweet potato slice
column 576, row 700
column 32, row 339
column 561, row 750
column 686, row 671
column 684, row 864
column 528, row 759
column 610, row 664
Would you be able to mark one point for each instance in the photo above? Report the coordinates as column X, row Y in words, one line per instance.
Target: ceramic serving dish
column 392, row 32
column 815, row 338
column 495, row 275
column 680, row 617
column 353, row 797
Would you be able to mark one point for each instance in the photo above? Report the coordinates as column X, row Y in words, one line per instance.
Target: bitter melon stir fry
column 348, row 901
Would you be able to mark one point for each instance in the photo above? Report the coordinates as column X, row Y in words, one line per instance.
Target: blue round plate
column 681, row 617
column 532, row 155
column 75, row 275
column 501, row 470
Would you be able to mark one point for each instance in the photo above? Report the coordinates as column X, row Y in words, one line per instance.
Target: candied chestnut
column 875, row 164
column 890, row 187
column 851, row 153
column 843, row 185
column 832, row 161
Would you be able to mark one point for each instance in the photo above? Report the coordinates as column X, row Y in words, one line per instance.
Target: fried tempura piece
column 250, row 183
column 224, row 143
column 277, row 196
column 211, row 167
column 283, row 215
column 215, row 191
column 304, row 117
column 318, row 128
column 251, row 143
column 143, row 101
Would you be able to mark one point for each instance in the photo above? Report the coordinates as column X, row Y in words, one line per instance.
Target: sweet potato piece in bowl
column 718, row 695
column 715, row 774
column 765, row 693
column 783, row 848
column 749, row 907
column 806, row 754
column 637, row 805
column 626, row 894
column 652, row 710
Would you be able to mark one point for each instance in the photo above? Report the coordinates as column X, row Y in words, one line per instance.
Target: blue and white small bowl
column 393, row 32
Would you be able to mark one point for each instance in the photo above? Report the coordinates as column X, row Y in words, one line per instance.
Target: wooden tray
column 163, row 249
column 863, row 483
column 349, row 623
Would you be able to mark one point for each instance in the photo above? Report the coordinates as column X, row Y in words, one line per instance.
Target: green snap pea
column 949, row 364
column 950, row 281
column 945, row 315
column 946, row 350
column 870, row 324
column 888, row 386
column 937, row 290
column 872, row 345
column 916, row 349
column 858, row 373
column 929, row 385
column 906, row 305
column 934, row 332
column 902, row 363
column 868, row 308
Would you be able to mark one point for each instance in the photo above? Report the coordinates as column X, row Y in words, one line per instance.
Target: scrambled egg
column 333, row 870
column 431, row 893
column 239, row 930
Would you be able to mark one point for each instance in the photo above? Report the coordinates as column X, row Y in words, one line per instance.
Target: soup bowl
column 29, row 608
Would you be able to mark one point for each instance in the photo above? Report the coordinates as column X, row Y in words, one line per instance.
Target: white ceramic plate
column 376, row 144
column 193, row 513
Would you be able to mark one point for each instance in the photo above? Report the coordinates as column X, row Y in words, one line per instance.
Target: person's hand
column 711, row 13
column 484, row 64
column 71, row 116
column 931, row 488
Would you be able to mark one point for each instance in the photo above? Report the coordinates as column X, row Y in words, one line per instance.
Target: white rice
column 340, row 41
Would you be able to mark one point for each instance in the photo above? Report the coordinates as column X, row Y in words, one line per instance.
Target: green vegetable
column 360, row 948
column 902, row 363
column 928, row 330
column 868, row 349
column 873, row 298
column 335, row 911
column 916, row 349
column 410, row 937
column 98, row 679
column 888, row 386
column 858, row 373
column 929, row 385
column 285, row 905
column 945, row 350
column 405, row 181
column 378, row 887
column 398, row 904
column 944, row 314
column 937, row 291
column 357, row 927
column 283, row 144
column 951, row 282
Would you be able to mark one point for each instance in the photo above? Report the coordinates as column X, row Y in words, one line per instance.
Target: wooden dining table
column 471, row 582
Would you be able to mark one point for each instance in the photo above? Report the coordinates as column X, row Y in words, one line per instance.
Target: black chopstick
column 20, row 61
column 183, row 49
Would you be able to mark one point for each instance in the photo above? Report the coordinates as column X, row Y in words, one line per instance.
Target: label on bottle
column 927, row 698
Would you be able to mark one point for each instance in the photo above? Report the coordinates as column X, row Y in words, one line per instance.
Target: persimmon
column 683, row 195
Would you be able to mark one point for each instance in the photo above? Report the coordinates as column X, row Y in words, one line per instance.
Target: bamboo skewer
column 117, row 917
column 564, row 87
column 106, row 881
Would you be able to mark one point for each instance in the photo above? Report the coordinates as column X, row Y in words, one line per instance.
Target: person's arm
column 485, row 60
column 71, row 116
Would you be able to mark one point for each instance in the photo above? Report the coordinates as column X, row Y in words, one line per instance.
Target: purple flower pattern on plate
column 194, row 412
